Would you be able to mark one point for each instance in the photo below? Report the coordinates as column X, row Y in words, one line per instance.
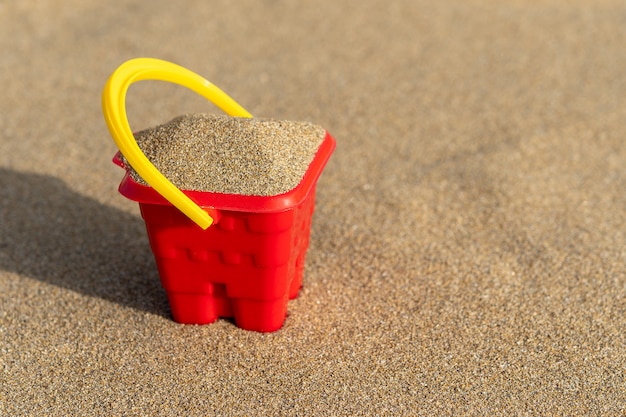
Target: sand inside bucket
column 218, row 153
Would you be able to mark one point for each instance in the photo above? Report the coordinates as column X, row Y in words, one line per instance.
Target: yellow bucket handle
column 114, row 109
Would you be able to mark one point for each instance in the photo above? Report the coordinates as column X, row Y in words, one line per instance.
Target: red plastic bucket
column 247, row 265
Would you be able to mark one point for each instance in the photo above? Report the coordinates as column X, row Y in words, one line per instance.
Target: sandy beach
column 468, row 246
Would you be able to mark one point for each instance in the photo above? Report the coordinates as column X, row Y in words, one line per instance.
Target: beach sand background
column 468, row 248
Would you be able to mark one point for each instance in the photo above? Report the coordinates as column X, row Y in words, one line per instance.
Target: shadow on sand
column 55, row 235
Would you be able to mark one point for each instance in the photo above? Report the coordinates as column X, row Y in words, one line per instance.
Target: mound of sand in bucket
column 230, row 155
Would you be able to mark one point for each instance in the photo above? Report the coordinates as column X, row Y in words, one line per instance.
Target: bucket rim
column 144, row 194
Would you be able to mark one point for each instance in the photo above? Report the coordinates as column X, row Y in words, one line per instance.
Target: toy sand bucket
column 218, row 255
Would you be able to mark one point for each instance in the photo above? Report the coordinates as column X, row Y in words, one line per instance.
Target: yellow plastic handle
column 114, row 109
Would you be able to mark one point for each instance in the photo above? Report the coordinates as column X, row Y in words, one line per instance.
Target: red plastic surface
column 247, row 265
